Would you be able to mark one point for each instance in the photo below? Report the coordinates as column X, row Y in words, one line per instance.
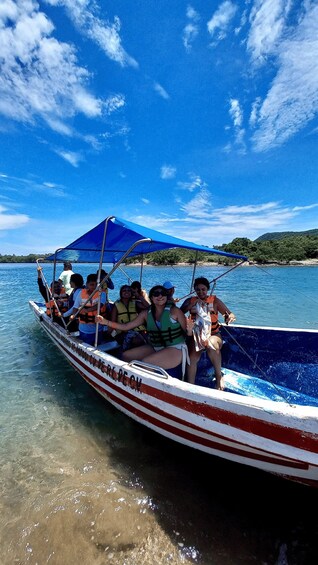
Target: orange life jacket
column 88, row 317
column 61, row 299
column 215, row 326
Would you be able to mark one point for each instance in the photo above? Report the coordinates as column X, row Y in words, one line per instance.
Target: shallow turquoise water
column 80, row 481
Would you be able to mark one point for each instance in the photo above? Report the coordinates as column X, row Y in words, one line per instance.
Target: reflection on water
column 81, row 482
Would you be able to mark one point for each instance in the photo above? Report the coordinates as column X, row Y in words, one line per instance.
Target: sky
column 198, row 119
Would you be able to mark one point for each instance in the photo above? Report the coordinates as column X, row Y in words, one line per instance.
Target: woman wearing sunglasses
column 167, row 327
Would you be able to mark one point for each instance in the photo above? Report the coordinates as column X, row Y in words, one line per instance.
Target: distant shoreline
column 305, row 263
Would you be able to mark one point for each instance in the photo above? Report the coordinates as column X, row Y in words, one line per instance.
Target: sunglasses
column 157, row 293
column 126, row 290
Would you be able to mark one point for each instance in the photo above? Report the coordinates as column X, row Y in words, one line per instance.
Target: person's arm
column 141, row 302
column 77, row 304
column 185, row 323
column 225, row 311
column 139, row 321
column 42, row 288
column 110, row 284
column 185, row 306
column 114, row 314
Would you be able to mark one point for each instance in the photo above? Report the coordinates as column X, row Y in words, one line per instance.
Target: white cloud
column 192, row 14
column 161, row 91
column 145, row 200
column 301, row 208
column 200, row 206
column 194, row 183
column 12, row 221
column 292, row 100
column 114, row 102
column 40, row 77
column 167, row 172
column 72, row 157
column 267, row 20
column 191, row 30
column 255, row 112
column 201, row 223
column 236, row 112
column 189, row 34
column 30, row 185
column 221, row 19
column 83, row 14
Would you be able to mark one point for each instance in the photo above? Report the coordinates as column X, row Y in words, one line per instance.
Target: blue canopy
column 117, row 236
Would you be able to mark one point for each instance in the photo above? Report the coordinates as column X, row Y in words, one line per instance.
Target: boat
column 267, row 415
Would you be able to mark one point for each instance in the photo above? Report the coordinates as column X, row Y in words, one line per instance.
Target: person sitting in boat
column 65, row 277
column 125, row 310
column 170, row 288
column 77, row 283
column 204, row 312
column 87, row 325
column 140, row 295
column 167, row 328
column 106, row 286
column 56, row 299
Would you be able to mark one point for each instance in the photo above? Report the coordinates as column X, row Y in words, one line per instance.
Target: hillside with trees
column 282, row 250
column 283, row 234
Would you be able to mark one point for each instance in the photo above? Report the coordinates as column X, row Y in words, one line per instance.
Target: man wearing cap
column 170, row 290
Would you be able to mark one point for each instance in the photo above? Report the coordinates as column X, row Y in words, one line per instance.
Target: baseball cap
column 168, row 285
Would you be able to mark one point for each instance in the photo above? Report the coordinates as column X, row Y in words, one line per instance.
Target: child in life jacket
column 86, row 302
column 204, row 311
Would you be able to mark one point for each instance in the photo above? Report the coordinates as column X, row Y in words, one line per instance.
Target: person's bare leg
column 137, row 353
column 216, row 360
column 194, row 359
column 167, row 358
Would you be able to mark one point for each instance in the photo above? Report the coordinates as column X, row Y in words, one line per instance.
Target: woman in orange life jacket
column 87, row 324
column 59, row 295
column 125, row 310
column 212, row 342
column 166, row 328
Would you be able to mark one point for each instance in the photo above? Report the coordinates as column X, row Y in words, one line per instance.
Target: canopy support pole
column 141, row 268
column 98, row 275
column 194, row 269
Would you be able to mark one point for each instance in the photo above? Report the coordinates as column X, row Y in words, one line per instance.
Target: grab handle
column 148, row 368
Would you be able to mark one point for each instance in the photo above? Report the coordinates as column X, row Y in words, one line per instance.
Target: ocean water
column 80, row 482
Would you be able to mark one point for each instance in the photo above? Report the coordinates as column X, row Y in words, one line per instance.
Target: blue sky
column 198, row 119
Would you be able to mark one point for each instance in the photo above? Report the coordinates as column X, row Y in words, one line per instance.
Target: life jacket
column 168, row 333
column 63, row 307
column 127, row 314
column 85, row 316
column 215, row 326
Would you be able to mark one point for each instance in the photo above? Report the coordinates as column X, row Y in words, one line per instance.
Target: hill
column 282, row 234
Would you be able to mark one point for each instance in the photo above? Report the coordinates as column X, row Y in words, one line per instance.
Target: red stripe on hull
column 186, row 435
column 192, row 437
column 286, row 436
column 245, row 423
